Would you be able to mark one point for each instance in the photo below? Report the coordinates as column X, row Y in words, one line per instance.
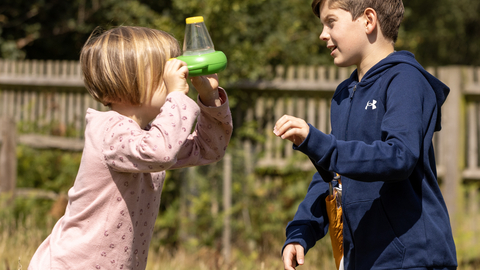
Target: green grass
column 18, row 243
column 25, row 223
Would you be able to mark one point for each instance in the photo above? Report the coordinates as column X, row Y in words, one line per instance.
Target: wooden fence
column 48, row 97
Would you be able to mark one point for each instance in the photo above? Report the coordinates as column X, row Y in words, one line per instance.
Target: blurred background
column 232, row 214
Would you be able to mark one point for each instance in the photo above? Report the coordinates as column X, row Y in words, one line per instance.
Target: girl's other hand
column 175, row 76
column 207, row 88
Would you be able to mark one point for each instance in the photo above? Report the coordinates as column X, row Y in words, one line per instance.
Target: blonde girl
column 114, row 201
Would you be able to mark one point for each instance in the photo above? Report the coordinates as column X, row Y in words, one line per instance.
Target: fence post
column 227, row 206
column 8, row 156
column 187, row 191
column 452, row 130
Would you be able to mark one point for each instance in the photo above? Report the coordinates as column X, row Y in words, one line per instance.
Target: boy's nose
column 323, row 36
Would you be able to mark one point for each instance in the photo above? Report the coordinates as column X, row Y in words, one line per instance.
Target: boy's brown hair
column 390, row 12
column 126, row 64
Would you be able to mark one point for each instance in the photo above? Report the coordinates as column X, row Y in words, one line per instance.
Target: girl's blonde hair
column 126, row 64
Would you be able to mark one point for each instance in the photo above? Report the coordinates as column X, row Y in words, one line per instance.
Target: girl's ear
column 371, row 20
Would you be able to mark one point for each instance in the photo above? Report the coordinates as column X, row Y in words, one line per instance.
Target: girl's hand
column 175, row 76
column 207, row 88
column 292, row 128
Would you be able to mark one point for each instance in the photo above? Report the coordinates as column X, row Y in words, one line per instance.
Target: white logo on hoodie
column 371, row 104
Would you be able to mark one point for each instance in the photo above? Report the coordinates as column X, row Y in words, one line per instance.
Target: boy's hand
column 207, row 88
column 293, row 255
column 292, row 128
column 175, row 76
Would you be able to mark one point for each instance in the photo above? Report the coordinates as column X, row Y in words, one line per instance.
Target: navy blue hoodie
column 394, row 215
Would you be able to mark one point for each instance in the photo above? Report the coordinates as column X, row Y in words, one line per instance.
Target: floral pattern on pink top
column 114, row 202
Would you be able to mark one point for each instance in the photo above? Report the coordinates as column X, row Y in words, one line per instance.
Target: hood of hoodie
column 405, row 57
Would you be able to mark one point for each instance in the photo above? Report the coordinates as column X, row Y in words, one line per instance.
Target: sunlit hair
column 125, row 64
column 389, row 12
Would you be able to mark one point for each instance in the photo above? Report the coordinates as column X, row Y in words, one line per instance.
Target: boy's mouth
column 332, row 49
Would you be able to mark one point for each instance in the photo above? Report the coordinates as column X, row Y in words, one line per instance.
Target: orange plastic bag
column 335, row 228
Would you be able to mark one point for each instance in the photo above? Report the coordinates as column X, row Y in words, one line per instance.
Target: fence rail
column 39, row 72
column 48, row 97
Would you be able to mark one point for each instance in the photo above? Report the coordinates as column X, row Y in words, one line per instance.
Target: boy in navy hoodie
column 383, row 119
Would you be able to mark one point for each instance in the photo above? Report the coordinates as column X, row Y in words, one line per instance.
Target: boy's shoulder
column 401, row 62
column 399, row 65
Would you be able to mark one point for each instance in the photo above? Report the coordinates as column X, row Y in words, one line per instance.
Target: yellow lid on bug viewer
column 197, row 19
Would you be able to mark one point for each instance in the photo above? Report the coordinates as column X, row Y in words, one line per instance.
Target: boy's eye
column 329, row 23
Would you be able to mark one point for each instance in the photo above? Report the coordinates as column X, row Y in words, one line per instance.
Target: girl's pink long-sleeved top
column 115, row 199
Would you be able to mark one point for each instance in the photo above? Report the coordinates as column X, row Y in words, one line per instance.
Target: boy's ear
column 371, row 20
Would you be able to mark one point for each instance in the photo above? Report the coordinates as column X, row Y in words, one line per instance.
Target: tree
column 446, row 32
column 252, row 33
column 57, row 29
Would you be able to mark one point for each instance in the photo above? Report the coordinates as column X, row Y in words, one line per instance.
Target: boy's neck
column 372, row 57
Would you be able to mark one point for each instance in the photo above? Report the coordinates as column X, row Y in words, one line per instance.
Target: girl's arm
column 128, row 148
column 169, row 143
column 208, row 142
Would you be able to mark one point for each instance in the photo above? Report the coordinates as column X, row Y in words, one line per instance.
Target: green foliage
column 467, row 231
column 53, row 170
column 444, row 32
column 24, row 224
column 191, row 213
column 262, row 204
column 22, row 210
column 253, row 34
column 53, row 128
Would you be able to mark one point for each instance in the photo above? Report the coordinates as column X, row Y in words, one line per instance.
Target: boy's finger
column 289, row 257
column 288, row 263
column 286, row 119
column 283, row 124
column 300, row 254
column 283, row 119
column 287, row 129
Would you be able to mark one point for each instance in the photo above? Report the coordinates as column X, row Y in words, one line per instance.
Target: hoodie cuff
column 301, row 234
column 316, row 145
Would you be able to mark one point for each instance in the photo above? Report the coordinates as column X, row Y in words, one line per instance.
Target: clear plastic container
column 197, row 39
column 198, row 50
